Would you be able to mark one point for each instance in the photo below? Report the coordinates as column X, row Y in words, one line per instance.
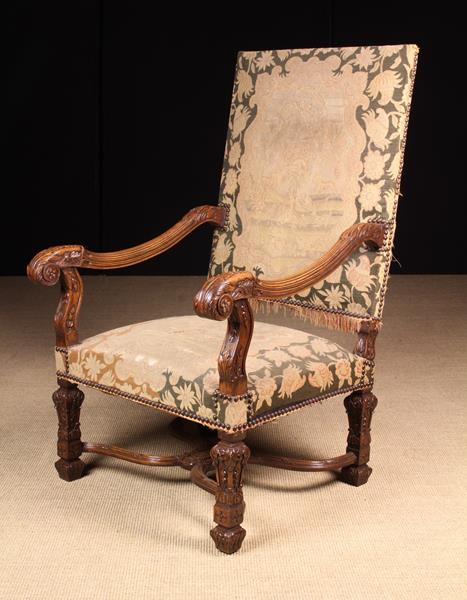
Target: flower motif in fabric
column 244, row 85
column 370, row 197
column 321, row 346
column 377, row 127
column 383, row 86
column 364, row 58
column 93, row 366
column 211, row 381
column 302, row 367
column 374, row 164
column 265, row 387
column 234, row 154
column 343, row 371
column 292, row 380
column 205, row 413
column 264, row 60
column 359, row 273
column 230, row 182
column 241, row 116
column 185, row 396
column 236, row 413
column 334, row 296
column 224, row 250
column 320, row 375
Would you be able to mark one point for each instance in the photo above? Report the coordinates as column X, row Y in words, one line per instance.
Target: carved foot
column 70, row 470
column 229, row 457
column 359, row 406
column 228, row 540
column 356, row 475
column 68, row 399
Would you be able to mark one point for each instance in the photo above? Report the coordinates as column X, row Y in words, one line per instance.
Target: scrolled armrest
column 60, row 263
column 216, row 298
column 353, row 237
column 45, row 267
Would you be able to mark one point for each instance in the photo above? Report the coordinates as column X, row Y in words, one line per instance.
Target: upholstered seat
column 171, row 364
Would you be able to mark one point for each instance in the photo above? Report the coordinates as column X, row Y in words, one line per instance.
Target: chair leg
column 229, row 457
column 68, row 399
column 359, row 406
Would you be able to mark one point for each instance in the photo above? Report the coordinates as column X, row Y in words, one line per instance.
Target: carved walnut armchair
column 305, row 224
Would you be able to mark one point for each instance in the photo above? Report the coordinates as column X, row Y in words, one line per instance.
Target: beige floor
column 130, row 532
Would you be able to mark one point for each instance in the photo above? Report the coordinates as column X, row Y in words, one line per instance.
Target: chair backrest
column 315, row 143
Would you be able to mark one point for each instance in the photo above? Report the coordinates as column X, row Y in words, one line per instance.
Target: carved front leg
column 229, row 457
column 359, row 406
column 68, row 399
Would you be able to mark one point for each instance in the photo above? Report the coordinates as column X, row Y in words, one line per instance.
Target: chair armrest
column 45, row 267
column 225, row 296
column 216, row 298
column 61, row 263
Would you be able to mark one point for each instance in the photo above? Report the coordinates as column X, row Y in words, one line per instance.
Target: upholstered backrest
column 315, row 143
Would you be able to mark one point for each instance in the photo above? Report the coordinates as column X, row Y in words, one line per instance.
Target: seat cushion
column 171, row 364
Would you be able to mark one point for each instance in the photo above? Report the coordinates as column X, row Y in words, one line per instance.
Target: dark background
column 118, row 111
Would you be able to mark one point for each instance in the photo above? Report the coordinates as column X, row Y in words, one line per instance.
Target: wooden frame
column 60, row 263
column 224, row 296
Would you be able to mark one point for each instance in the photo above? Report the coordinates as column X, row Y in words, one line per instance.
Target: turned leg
column 359, row 406
column 229, row 457
column 68, row 399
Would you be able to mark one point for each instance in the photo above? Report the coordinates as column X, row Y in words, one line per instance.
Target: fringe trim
column 320, row 317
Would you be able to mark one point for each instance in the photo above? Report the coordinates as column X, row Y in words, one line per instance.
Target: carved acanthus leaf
column 45, row 267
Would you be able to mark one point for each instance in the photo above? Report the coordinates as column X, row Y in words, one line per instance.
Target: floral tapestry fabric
column 172, row 364
column 315, row 144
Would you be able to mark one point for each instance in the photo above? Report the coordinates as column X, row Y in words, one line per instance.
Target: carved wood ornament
column 61, row 263
column 68, row 399
column 359, row 406
column 229, row 458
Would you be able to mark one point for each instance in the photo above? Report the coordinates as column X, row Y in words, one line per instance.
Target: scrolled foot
column 70, row 470
column 356, row 475
column 228, row 540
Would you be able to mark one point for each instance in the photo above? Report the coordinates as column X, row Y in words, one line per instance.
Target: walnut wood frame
column 224, row 296
column 60, row 263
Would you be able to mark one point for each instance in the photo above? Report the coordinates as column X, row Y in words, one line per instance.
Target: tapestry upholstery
column 315, row 144
column 171, row 364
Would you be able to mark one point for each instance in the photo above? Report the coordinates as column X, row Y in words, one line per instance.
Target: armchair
column 314, row 152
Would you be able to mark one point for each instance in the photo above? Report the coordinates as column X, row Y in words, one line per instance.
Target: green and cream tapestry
column 171, row 364
column 315, row 144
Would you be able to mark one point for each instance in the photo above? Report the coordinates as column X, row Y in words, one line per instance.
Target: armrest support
column 225, row 296
column 61, row 263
